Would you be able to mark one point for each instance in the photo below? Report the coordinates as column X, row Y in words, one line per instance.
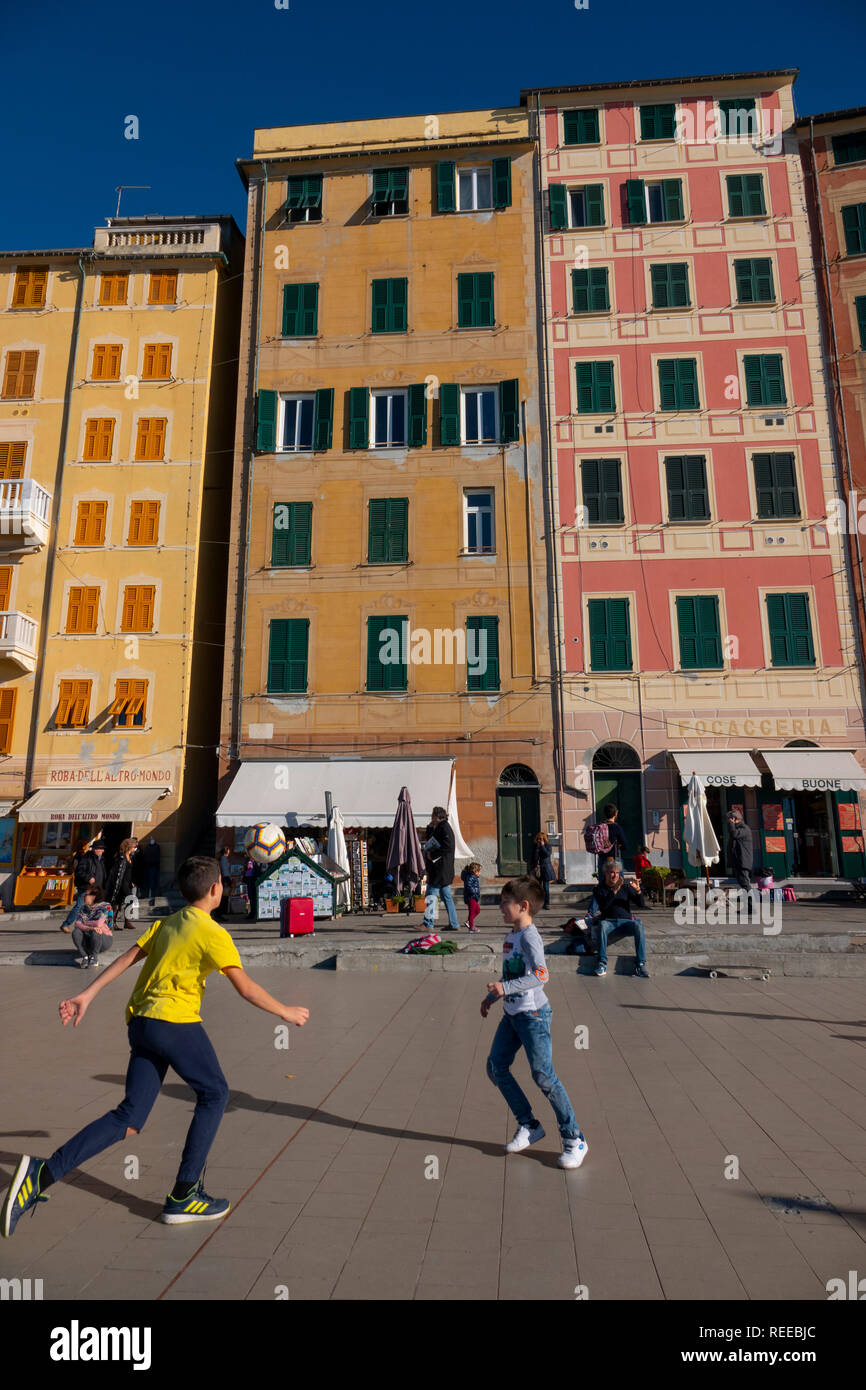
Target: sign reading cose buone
column 785, row 726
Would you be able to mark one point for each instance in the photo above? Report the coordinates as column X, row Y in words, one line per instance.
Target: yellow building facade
column 128, row 430
column 387, row 580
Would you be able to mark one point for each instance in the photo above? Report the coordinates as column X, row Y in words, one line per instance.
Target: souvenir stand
column 44, row 881
column 295, row 875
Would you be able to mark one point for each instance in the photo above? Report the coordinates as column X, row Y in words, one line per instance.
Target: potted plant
column 420, row 902
column 394, row 904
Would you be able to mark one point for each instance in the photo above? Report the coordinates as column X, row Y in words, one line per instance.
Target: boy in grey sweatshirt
column 526, row 1023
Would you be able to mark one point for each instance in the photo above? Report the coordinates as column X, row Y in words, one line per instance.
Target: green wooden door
column 846, row 815
column 518, row 821
column 773, row 846
column 623, row 790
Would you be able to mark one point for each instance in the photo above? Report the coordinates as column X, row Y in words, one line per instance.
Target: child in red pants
column 472, row 892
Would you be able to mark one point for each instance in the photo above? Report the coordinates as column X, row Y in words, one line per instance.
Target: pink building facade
column 703, row 616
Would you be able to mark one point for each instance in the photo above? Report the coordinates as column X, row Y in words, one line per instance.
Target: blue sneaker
column 600, row 970
column 23, row 1193
column 195, row 1206
column 642, row 971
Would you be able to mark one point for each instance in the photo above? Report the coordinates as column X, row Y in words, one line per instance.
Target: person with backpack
column 605, row 839
column 541, row 865
column 89, row 873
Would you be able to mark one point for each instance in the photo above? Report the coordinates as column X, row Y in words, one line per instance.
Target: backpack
column 597, row 838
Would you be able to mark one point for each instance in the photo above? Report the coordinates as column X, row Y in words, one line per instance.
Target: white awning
column 365, row 789
column 74, row 804
column 729, row 767
column 814, row 769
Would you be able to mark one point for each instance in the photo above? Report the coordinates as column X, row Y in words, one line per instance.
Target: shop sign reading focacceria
column 785, row 726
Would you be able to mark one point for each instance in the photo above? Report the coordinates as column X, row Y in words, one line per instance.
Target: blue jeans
column 433, row 894
column 609, row 928
column 73, row 911
column 531, row 1031
column 155, row 1046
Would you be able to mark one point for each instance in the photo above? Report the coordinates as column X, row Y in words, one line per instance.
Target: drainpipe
column 51, row 558
column 252, row 398
column 838, row 415
column 552, row 533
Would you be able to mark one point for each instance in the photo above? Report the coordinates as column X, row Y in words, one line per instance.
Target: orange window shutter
column 100, row 514
column 98, row 362
column 106, row 439
column 73, row 610
column 142, row 439
column 146, row 599
column 11, row 460
column 114, row 361
column 7, row 717
column 151, row 522
column 158, row 439
column 10, row 376
column 91, row 609
column 40, row 284
column 27, row 376
column 91, row 430
column 5, row 587
column 121, row 698
column 164, row 359
column 64, row 701
column 127, row 621
column 82, row 523
column 19, row 293
column 149, row 360
column 135, row 517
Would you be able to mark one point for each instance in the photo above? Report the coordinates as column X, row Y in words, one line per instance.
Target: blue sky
column 200, row 75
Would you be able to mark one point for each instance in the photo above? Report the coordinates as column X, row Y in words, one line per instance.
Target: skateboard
column 714, row 971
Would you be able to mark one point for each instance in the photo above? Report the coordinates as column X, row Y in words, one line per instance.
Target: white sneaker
column 524, row 1137
column 574, row 1151
column 95, row 962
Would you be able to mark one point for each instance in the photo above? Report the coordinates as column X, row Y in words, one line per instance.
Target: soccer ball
column 265, row 843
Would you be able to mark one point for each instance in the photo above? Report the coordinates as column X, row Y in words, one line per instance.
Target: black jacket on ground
column 119, row 883
column 90, row 866
column 440, row 863
column 542, row 863
column 740, row 846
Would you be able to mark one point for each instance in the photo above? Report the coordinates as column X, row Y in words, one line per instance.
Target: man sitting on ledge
column 611, row 907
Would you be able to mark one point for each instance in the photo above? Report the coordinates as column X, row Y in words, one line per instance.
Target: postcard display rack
column 360, row 881
column 295, row 876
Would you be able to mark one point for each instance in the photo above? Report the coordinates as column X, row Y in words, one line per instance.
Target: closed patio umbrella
column 338, row 852
column 405, row 858
column 700, row 837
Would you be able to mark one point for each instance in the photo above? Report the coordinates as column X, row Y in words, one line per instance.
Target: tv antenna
column 121, row 187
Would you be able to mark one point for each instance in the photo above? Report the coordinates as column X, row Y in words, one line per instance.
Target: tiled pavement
column 326, row 1147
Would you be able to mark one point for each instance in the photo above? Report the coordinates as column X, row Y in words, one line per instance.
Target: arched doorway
column 518, row 817
column 616, row 779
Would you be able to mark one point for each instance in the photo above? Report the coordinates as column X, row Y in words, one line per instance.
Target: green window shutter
column 482, row 642
column 379, row 319
column 764, row 490
column 446, row 187
column 765, row 382
column 266, row 422
column 557, row 201
column 754, row 194
column 754, row 381
column 475, row 300
column 736, row 201
column 580, row 127
column 688, row 494
column 292, row 534
column 790, row 630
column 389, row 305
column 589, row 289
column 381, row 187
column 399, row 291
column 449, row 416
column 595, row 388
column 754, row 280
column 323, row 419
column 501, row 183
column 300, row 311
column 672, row 197
column 609, row 636
column 601, row 486
column 400, row 185
column 593, row 195
column 860, row 310
column 417, row 435
column 294, row 194
column 658, row 122
column 668, row 386
column 359, row 417
column 738, row 115
column 850, row 148
column 776, row 491
column 509, row 411
column 699, row 632
column 854, row 226
column 312, row 195
column 388, row 675
column 670, row 285
column 635, row 201
column 388, row 536
column 678, row 384
column 287, row 655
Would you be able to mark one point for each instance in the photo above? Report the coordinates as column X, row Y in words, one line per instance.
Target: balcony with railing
column 18, row 639
column 25, row 514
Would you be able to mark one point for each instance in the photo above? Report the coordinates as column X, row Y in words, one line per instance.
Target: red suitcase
column 296, row 917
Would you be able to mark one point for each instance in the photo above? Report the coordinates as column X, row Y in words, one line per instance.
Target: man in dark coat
column 439, row 853
column 740, row 852
column 89, row 873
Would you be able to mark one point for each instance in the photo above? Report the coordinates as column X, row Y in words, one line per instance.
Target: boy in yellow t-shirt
column 165, row 1030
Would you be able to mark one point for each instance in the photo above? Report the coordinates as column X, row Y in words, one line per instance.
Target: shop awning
column 729, row 767
column 74, row 804
column 814, row 769
column 365, row 789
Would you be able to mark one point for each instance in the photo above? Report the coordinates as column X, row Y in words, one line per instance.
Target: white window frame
column 583, row 226
column 468, row 511
column 648, row 184
column 477, row 390
column 391, row 393
column 474, row 170
column 284, row 448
